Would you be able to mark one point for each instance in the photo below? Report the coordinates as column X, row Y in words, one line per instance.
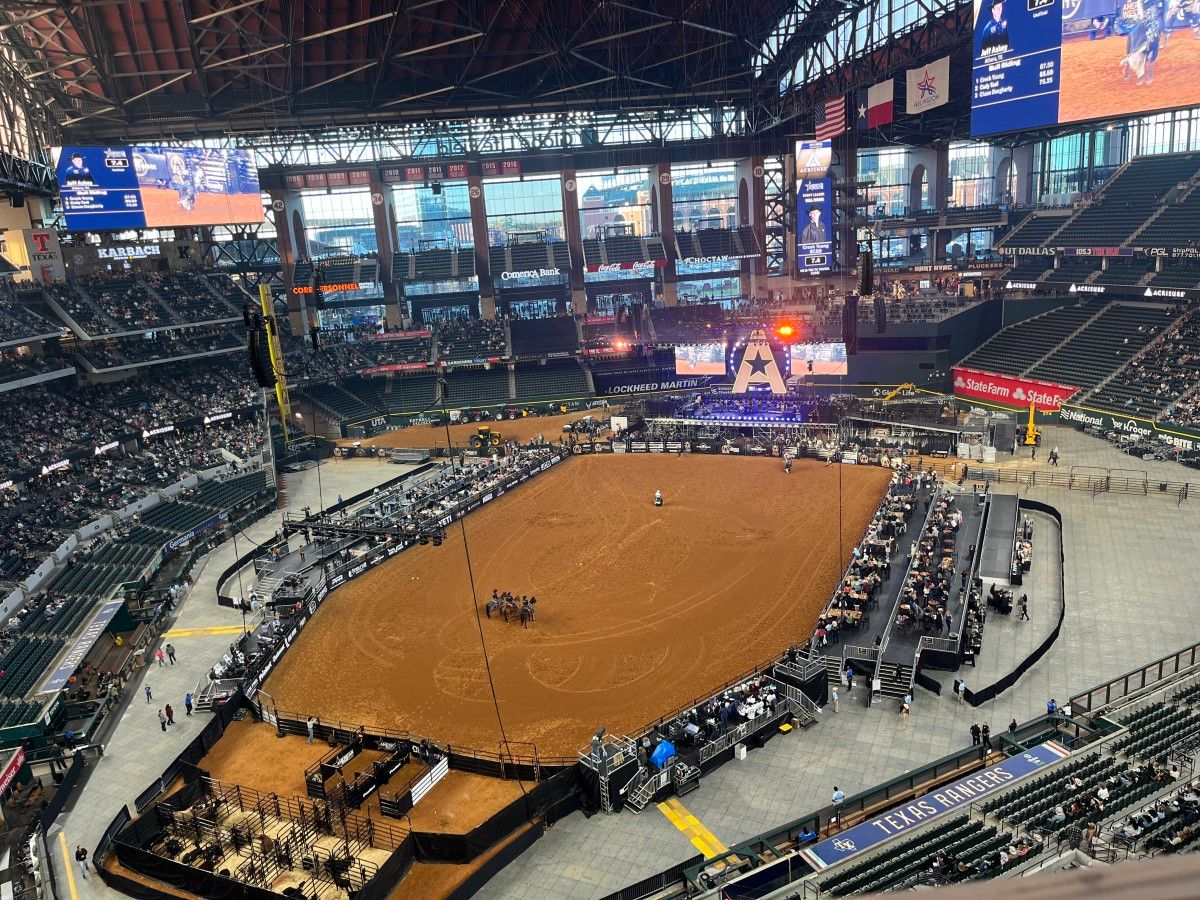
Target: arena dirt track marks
column 640, row 610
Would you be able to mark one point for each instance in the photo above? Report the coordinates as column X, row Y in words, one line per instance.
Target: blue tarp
column 663, row 752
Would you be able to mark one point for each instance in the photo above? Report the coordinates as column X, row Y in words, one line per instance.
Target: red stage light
column 785, row 331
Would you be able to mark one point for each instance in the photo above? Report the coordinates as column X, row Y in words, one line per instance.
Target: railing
column 1103, row 481
column 1133, row 682
column 887, row 629
column 729, row 738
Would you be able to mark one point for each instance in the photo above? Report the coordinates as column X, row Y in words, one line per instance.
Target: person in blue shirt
column 994, row 37
column 77, row 172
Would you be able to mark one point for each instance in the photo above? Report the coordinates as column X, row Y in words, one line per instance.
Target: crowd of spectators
column 36, row 516
column 126, row 303
column 871, row 561
column 470, row 339
column 927, row 596
column 1170, row 372
column 16, row 364
column 162, row 345
column 189, row 297
column 17, row 322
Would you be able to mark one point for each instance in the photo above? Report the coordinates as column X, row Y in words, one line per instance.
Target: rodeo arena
column 602, row 451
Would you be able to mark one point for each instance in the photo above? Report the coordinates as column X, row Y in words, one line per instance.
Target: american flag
column 831, row 120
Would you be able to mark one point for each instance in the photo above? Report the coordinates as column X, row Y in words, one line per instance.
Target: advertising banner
column 952, row 798
column 1185, row 439
column 927, row 87
column 611, row 384
column 1009, row 390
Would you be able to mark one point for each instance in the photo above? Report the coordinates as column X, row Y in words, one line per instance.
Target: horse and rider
column 507, row 606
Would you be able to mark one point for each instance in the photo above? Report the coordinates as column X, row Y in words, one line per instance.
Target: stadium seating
column 1029, row 268
column 1019, row 346
column 1103, row 345
column 1124, row 271
column 191, row 299
column 1158, row 378
column 1033, row 231
column 1128, row 201
column 1177, row 273
column 556, row 379
column 475, row 385
column 471, row 339
column 18, row 322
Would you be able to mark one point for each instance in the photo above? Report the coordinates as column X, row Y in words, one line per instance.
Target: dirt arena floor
column 523, row 430
column 640, row 609
column 163, row 209
column 1092, row 86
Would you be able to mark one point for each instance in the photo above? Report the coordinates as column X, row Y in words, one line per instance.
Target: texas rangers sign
column 952, row 798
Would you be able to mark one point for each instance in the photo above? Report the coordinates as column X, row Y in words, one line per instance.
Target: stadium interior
column 615, row 450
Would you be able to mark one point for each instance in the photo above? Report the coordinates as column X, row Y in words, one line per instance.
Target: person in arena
column 658, row 498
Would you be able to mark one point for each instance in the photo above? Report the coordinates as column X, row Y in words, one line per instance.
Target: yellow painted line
column 199, row 632
column 68, row 864
column 699, row 836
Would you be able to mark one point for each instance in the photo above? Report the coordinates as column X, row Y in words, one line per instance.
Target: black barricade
column 655, row 883
column 999, row 687
column 466, row 763
column 63, row 794
column 381, row 886
column 114, row 827
column 481, row 876
column 194, row 881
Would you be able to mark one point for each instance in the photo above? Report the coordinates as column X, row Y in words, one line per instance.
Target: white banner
column 928, row 86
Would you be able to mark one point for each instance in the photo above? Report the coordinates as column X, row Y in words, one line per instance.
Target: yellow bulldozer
column 485, row 437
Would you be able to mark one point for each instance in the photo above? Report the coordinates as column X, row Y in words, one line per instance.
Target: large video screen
column 1048, row 62
column 814, row 207
column 700, row 359
column 819, row 359
column 115, row 188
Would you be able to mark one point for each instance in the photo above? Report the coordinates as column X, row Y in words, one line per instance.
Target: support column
column 570, row 207
column 1022, row 178
column 845, row 170
column 663, row 211
column 752, row 201
column 939, row 185
column 483, row 262
column 292, row 244
column 383, row 211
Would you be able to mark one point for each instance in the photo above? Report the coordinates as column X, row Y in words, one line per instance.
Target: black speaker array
column 260, row 359
column 880, row 316
column 866, row 271
column 850, row 324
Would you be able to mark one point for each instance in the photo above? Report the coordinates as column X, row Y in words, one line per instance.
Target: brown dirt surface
column 1092, row 86
column 425, row 880
column 253, row 755
column 641, row 610
column 523, row 430
column 462, row 801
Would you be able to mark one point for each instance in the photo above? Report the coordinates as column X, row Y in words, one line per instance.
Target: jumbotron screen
column 117, row 188
column 819, row 359
column 1052, row 62
column 700, row 359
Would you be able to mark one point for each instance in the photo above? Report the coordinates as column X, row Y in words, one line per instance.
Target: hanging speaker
column 260, row 365
column 866, row 269
column 850, row 324
column 880, row 315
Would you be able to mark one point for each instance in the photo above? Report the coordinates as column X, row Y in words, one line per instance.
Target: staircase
column 834, row 669
column 642, row 792
column 1070, row 337
column 895, row 679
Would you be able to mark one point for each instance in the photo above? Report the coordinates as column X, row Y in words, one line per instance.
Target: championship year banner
column 951, row 798
column 1011, row 391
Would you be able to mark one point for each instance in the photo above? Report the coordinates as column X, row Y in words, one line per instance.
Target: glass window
column 339, row 222
column 971, row 182
column 889, row 169
column 518, row 206
column 614, row 201
column 429, row 218
column 704, row 196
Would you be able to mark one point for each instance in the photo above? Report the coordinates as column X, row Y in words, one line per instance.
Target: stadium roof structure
column 124, row 70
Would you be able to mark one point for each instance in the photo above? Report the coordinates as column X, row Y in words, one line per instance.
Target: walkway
column 138, row 750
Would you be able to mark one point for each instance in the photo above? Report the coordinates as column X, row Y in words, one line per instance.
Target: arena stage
column 523, row 430
column 640, row 609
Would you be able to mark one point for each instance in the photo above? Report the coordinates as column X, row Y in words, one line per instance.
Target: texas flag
column 874, row 105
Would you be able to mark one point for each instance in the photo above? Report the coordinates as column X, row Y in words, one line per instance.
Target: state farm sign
column 1011, row 391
